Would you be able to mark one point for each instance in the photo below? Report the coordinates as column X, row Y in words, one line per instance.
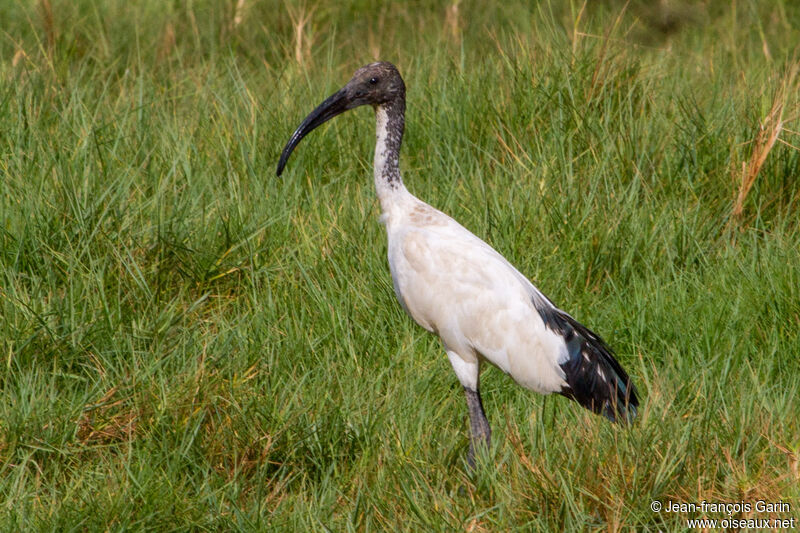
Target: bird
column 459, row 288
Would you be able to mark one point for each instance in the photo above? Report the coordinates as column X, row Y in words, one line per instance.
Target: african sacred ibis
column 455, row 285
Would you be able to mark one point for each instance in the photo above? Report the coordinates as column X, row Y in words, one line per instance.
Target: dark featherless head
column 375, row 84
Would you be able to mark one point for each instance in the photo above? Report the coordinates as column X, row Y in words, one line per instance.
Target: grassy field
column 189, row 343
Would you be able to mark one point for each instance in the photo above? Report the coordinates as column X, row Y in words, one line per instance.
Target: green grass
column 188, row 342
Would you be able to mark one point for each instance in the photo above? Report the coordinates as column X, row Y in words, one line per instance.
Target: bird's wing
column 457, row 285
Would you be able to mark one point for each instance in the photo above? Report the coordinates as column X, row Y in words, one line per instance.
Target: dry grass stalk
column 602, row 66
column 768, row 134
column 19, row 55
column 453, row 21
column 167, row 44
column 49, row 25
column 576, row 33
column 238, row 13
column 375, row 37
column 302, row 44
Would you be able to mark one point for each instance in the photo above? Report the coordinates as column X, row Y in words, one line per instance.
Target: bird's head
column 375, row 84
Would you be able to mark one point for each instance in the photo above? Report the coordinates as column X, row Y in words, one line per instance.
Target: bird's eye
column 373, row 81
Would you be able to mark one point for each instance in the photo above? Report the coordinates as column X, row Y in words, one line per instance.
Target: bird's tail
column 594, row 377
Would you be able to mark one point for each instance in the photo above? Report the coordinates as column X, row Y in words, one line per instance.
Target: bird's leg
column 468, row 370
column 480, row 433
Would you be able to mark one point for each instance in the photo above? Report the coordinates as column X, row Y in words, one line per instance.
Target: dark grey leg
column 480, row 433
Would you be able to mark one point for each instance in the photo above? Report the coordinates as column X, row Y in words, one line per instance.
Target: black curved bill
column 335, row 104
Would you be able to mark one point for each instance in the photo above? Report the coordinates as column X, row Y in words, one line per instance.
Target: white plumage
column 455, row 285
column 458, row 287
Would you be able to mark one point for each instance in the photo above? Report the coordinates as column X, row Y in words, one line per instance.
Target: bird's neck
column 390, row 121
